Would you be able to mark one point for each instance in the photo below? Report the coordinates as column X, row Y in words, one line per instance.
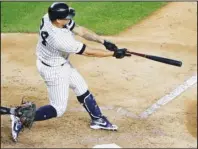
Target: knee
column 60, row 109
column 84, row 96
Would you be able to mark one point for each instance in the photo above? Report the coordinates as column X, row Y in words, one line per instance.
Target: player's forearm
column 91, row 36
column 88, row 34
column 98, row 53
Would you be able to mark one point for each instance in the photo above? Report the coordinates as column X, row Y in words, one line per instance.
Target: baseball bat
column 157, row 58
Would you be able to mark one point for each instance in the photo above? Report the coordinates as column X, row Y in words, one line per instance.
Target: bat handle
column 134, row 53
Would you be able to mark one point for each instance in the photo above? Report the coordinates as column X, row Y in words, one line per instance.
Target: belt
column 49, row 65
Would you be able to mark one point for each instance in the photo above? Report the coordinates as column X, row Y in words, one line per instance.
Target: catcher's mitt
column 26, row 112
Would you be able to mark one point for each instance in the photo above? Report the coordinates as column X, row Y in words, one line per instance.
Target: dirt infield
column 131, row 84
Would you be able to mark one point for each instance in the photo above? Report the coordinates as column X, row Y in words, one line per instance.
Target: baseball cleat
column 16, row 127
column 103, row 123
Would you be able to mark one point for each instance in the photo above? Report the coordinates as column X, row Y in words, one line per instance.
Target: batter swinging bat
column 159, row 59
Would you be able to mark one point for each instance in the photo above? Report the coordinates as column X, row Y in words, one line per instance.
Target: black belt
column 49, row 65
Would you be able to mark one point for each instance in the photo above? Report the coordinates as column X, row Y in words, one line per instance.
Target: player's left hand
column 110, row 46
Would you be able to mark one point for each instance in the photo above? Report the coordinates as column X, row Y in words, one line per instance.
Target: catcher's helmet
column 59, row 10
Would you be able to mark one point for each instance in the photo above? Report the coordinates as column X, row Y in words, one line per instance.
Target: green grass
column 106, row 18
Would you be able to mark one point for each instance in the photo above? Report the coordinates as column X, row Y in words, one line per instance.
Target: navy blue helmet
column 60, row 10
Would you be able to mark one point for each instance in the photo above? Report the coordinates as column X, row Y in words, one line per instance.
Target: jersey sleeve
column 67, row 43
column 70, row 25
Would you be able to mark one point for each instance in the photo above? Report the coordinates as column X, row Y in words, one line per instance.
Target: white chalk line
column 162, row 101
column 167, row 98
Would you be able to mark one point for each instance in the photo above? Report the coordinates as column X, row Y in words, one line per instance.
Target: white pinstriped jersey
column 53, row 48
column 55, row 44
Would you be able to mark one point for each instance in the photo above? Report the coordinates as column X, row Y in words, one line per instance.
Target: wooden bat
column 157, row 58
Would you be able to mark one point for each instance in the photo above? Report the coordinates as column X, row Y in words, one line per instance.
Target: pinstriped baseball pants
column 58, row 81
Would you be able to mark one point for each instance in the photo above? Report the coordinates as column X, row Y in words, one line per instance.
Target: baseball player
column 55, row 44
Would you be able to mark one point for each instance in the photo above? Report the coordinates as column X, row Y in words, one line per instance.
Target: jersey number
column 44, row 34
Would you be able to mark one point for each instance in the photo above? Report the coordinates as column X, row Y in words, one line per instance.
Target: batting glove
column 110, row 46
column 120, row 53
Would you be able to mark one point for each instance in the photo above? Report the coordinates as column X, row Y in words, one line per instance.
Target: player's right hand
column 120, row 53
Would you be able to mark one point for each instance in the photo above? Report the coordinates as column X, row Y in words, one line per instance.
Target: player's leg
column 80, row 88
column 57, row 81
column 58, row 96
column 6, row 110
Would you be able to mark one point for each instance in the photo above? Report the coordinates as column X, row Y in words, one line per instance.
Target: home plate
column 107, row 146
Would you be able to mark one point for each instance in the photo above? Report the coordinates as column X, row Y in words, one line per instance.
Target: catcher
column 21, row 116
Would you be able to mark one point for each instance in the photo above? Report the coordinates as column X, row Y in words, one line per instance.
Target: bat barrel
column 165, row 60
column 177, row 63
column 159, row 59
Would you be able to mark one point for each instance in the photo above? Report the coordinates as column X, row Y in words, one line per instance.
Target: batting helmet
column 59, row 10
